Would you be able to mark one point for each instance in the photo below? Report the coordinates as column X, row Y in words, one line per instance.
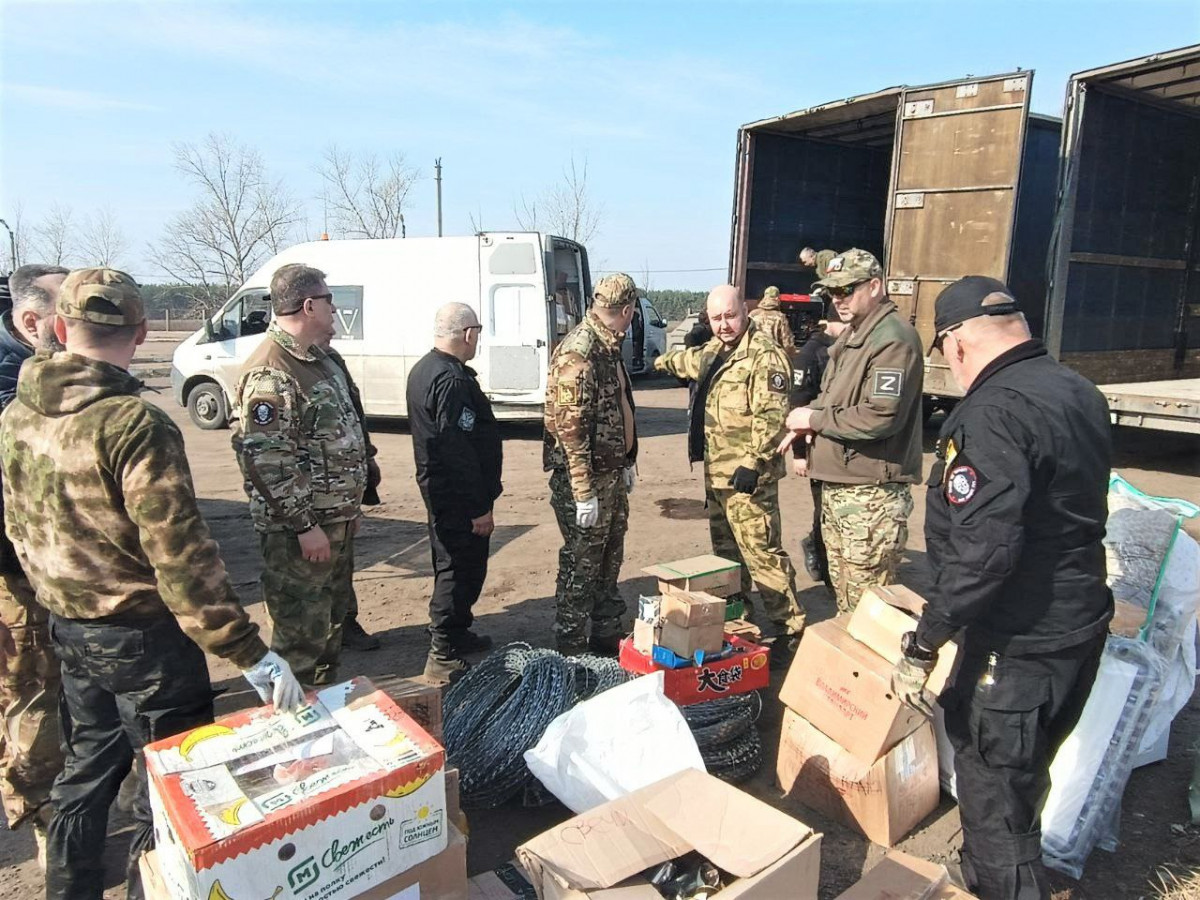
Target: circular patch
column 262, row 412
column 961, row 485
column 778, row 382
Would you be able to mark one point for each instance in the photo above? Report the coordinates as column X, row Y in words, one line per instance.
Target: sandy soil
column 667, row 522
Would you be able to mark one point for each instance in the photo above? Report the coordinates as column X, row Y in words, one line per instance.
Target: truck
column 528, row 290
column 960, row 178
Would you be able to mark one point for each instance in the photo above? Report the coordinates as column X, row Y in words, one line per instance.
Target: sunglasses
column 471, row 328
column 841, row 293
column 940, row 338
column 327, row 297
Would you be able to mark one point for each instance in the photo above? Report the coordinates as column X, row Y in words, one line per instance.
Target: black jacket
column 13, row 352
column 808, row 368
column 456, row 442
column 1016, row 510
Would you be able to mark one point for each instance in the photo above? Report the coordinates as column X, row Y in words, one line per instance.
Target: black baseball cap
column 971, row 297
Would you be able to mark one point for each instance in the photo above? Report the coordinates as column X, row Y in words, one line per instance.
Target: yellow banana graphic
column 229, row 815
column 218, row 892
column 202, row 734
column 403, row 790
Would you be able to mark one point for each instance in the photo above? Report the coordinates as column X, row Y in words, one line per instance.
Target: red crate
column 746, row 669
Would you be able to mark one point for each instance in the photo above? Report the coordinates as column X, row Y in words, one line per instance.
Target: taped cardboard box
column 692, row 622
column 879, row 623
column 899, row 876
column 845, row 689
column 421, row 700
column 885, row 800
column 601, row 853
column 709, row 574
column 444, row 877
column 331, row 800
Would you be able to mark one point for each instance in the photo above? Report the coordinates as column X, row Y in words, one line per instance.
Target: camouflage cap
column 614, row 291
column 851, row 267
column 103, row 296
column 771, row 293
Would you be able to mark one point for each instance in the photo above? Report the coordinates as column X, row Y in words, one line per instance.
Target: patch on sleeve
column 887, row 383
column 466, row 419
column 777, row 382
column 568, row 393
column 262, row 412
column 962, row 483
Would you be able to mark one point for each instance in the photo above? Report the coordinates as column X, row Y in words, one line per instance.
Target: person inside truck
column 817, row 261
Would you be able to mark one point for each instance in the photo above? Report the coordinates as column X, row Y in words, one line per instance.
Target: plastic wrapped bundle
column 1092, row 767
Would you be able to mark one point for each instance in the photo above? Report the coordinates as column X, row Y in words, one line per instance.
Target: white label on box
column 907, row 764
column 413, row 892
column 379, row 736
column 306, row 788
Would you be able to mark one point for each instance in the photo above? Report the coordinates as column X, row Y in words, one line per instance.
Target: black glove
column 744, row 481
column 371, row 494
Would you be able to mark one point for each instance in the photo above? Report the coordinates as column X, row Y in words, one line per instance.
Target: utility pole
column 437, row 167
column 12, row 239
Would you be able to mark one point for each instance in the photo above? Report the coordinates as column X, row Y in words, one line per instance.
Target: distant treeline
column 675, row 305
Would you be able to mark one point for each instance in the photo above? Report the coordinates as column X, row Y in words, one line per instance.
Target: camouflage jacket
column 867, row 417
column 746, row 405
column 585, row 421
column 773, row 323
column 100, row 507
column 824, row 258
column 299, row 440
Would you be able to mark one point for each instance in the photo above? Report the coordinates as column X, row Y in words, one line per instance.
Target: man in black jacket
column 459, row 456
column 1015, row 516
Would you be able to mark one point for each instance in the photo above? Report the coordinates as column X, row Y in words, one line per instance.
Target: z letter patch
column 888, row 383
column 466, row 419
column 262, row 412
column 777, row 382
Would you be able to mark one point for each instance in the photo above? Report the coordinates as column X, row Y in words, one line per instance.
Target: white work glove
column 587, row 512
column 272, row 678
column 630, row 479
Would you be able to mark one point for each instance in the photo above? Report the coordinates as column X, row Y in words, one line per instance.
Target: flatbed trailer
column 1161, row 405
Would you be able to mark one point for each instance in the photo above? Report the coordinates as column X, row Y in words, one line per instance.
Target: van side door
column 514, row 349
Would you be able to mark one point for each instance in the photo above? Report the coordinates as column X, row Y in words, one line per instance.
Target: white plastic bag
column 616, row 742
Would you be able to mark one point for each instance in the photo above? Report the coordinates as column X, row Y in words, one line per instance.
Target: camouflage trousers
column 589, row 562
column 746, row 528
column 865, row 527
column 308, row 601
column 30, row 753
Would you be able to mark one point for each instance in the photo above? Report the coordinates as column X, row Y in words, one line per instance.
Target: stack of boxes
column 346, row 798
column 848, row 747
column 693, row 635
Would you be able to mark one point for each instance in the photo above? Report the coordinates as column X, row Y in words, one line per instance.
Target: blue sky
column 92, row 96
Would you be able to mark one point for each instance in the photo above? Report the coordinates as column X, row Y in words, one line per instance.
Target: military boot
column 355, row 637
column 813, row 564
column 467, row 641
column 571, row 646
column 445, row 668
column 605, row 646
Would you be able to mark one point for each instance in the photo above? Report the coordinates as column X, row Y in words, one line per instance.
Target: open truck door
column 952, row 207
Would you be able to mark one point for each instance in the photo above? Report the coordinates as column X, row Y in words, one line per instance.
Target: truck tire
column 207, row 407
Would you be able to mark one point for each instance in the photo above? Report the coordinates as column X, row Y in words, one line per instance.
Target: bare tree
column 55, row 238
column 240, row 218
column 16, row 251
column 366, row 198
column 566, row 208
column 103, row 242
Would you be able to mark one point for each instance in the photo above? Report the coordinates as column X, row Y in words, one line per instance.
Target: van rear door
column 513, row 353
column 953, row 199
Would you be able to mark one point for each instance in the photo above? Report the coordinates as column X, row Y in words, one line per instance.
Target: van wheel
column 207, row 408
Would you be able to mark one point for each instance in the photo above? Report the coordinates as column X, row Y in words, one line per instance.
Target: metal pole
column 437, row 166
column 12, row 246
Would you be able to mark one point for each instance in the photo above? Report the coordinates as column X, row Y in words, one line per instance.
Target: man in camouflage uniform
column 590, row 448
column 771, row 321
column 866, row 427
column 301, row 449
column 100, row 509
column 30, row 755
column 736, row 421
column 818, row 261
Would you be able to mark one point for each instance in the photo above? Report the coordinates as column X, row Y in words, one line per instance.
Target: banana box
column 323, row 803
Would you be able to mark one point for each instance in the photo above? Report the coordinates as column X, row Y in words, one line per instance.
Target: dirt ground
column 667, row 521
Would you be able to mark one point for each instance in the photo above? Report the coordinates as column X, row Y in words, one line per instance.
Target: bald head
column 727, row 315
column 456, row 330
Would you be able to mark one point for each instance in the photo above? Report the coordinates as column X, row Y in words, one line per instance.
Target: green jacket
column 746, row 405
column 868, row 415
column 100, row 507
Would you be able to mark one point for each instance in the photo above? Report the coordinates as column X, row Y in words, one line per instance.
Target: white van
column 526, row 288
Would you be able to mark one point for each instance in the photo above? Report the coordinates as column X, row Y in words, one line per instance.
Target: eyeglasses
column 326, row 297
column 471, row 328
column 941, row 337
column 841, row 293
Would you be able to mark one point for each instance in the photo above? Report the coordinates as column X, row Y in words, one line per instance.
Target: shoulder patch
column 568, row 393
column 887, row 383
column 777, row 382
column 962, row 483
column 466, row 419
column 263, row 412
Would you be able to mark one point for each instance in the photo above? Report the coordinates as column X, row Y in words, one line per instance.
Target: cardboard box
column 692, row 609
column 899, row 596
column 506, row 882
column 645, row 636
column 746, row 669
column 879, row 624
column 845, row 690
column 444, row 877
column 687, row 641
column 899, row 876
column 769, row 853
column 332, row 800
column 885, row 800
column 710, row 574
column 419, row 699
